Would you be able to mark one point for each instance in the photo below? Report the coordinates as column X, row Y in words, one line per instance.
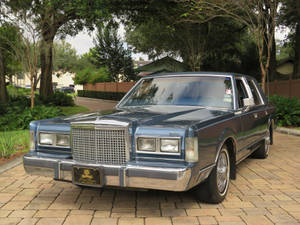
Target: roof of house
column 166, row 64
column 284, row 61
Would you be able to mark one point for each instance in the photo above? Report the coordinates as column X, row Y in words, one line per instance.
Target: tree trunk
column 296, row 73
column 36, row 80
column 263, row 68
column 32, row 90
column 46, row 57
column 3, row 91
column 272, row 67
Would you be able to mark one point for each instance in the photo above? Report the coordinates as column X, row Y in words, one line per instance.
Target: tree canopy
column 9, row 39
column 290, row 16
column 109, row 51
column 57, row 18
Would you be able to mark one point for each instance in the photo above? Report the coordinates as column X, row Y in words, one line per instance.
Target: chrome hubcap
column 223, row 172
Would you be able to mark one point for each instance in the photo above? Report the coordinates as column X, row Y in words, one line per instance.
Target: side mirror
column 248, row 102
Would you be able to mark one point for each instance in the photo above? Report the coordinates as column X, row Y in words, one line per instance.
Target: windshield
column 187, row 91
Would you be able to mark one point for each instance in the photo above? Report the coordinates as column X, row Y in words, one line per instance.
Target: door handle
column 255, row 115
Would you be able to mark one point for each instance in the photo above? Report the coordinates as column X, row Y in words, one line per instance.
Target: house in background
column 285, row 67
column 163, row 65
column 59, row 80
column 140, row 62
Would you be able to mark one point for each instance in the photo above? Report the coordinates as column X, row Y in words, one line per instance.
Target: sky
column 84, row 41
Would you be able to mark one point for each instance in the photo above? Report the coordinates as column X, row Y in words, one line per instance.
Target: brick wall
column 287, row 88
column 109, row 87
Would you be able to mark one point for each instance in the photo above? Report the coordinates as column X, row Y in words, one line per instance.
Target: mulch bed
column 5, row 160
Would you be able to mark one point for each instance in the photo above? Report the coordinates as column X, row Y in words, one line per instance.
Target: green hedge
column 117, row 96
column 287, row 110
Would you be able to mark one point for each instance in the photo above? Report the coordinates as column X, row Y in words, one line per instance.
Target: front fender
column 227, row 135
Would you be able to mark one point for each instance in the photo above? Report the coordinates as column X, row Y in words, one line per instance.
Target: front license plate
column 87, row 176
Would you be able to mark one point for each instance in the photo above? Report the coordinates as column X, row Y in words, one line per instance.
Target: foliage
column 17, row 114
column 289, row 16
column 20, row 120
column 58, row 99
column 57, row 18
column 259, row 16
column 90, row 75
column 220, row 44
column 84, row 61
column 109, row 51
column 9, row 39
column 289, row 13
column 12, row 142
column 101, row 95
column 287, row 112
column 65, row 58
column 285, row 49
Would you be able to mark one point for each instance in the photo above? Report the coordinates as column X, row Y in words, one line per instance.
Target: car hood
column 154, row 116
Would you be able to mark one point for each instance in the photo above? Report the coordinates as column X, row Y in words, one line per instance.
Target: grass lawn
column 13, row 142
column 70, row 110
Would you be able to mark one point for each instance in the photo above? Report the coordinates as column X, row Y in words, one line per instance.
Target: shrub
column 15, row 105
column 17, row 120
column 287, row 112
column 57, row 99
column 117, row 96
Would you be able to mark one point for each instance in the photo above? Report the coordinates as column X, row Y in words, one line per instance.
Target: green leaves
column 12, row 142
column 110, row 52
column 287, row 111
column 20, row 120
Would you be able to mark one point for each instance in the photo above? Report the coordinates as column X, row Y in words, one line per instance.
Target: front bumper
column 130, row 175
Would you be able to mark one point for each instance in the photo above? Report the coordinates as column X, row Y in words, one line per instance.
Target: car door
column 258, row 110
column 246, row 118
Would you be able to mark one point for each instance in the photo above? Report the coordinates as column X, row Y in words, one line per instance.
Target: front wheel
column 215, row 188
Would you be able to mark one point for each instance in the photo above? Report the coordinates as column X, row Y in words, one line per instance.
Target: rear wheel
column 215, row 188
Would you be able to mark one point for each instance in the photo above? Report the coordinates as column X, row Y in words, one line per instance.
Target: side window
column 254, row 91
column 242, row 93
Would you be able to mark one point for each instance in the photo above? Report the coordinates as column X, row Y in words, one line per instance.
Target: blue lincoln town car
column 173, row 132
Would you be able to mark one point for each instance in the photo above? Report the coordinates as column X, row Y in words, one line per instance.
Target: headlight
column 62, row 140
column 169, row 145
column 191, row 149
column 47, row 139
column 146, row 144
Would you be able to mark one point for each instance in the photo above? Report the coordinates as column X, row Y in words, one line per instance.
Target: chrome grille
column 106, row 146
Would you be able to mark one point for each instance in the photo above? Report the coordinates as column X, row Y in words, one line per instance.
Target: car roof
column 186, row 74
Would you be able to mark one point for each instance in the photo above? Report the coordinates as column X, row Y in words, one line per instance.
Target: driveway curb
column 288, row 131
column 11, row 164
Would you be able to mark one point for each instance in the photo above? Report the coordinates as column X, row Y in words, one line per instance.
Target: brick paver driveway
column 95, row 104
column 265, row 192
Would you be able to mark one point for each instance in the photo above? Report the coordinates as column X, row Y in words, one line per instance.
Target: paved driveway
column 95, row 104
column 265, row 192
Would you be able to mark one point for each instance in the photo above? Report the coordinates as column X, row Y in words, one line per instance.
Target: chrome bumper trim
column 145, row 177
